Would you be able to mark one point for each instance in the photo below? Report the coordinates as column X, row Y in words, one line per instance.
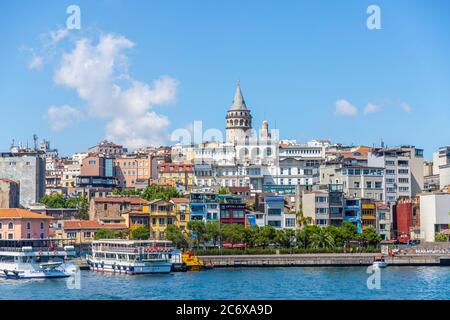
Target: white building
column 441, row 166
column 434, row 214
column 403, row 171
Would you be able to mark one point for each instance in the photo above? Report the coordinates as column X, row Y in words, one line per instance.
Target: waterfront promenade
column 321, row 260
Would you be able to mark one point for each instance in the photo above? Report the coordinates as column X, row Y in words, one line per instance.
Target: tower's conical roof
column 238, row 101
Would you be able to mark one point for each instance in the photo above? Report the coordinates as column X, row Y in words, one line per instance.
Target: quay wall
column 319, row 260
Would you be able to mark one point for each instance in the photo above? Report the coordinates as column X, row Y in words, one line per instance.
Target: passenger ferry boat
column 30, row 259
column 131, row 257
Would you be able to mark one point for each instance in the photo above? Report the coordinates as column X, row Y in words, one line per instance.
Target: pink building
column 18, row 224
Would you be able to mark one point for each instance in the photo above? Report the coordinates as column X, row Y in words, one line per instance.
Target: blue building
column 352, row 212
column 204, row 206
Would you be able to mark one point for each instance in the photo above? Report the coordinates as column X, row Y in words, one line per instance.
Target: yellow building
column 83, row 231
column 176, row 173
column 368, row 214
column 164, row 213
column 182, row 212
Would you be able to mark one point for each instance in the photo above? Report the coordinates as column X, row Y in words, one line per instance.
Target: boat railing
column 126, row 250
column 34, row 249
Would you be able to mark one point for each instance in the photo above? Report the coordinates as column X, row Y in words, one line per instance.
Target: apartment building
column 384, row 221
column 162, row 215
column 204, row 206
column 111, row 209
column 315, row 205
column 352, row 212
column 181, row 207
column 368, row 214
column 404, row 171
column 434, row 215
column 176, row 174
column 406, row 218
column 83, row 231
column 276, row 215
column 357, row 181
column 18, row 224
column 441, row 166
column 27, row 167
column 97, row 171
column 232, row 209
column 131, row 170
column 107, row 148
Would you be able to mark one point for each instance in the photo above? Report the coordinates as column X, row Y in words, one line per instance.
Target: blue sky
column 295, row 59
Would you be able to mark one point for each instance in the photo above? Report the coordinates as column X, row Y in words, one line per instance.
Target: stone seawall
column 318, row 260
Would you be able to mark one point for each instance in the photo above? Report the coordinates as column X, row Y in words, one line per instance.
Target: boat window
column 7, row 259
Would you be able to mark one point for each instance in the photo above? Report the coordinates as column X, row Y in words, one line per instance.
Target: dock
column 322, row 260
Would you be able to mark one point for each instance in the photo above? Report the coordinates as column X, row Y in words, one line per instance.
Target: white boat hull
column 380, row 264
column 12, row 271
column 130, row 268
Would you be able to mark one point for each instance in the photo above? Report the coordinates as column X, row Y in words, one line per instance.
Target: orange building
column 130, row 171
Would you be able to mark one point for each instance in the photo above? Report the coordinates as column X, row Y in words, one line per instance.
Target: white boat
column 130, row 257
column 379, row 262
column 35, row 259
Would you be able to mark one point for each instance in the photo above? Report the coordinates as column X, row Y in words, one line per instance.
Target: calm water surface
column 255, row 283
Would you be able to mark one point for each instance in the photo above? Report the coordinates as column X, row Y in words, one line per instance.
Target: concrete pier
column 320, row 260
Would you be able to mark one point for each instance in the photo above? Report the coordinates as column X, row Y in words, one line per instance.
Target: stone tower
column 239, row 119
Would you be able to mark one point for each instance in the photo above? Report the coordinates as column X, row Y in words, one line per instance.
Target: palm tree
column 322, row 239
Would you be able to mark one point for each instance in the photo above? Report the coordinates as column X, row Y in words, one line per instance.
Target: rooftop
column 131, row 200
column 87, row 224
column 22, row 214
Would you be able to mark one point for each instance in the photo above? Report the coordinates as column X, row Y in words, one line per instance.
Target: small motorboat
column 379, row 262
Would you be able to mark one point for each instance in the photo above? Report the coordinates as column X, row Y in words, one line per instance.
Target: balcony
column 353, row 219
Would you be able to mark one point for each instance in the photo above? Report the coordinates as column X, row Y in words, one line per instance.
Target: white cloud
column 58, row 35
column 371, row 108
column 36, row 63
column 137, row 131
column 60, row 117
column 345, row 108
column 99, row 74
column 405, row 107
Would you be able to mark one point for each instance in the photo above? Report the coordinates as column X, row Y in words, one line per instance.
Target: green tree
column 107, row 234
column 440, row 237
column 83, row 208
column 250, row 235
column 213, row 231
column 233, row 233
column 265, row 236
column 370, row 236
column 198, row 232
column 154, row 191
column 126, row 192
column 303, row 236
column 175, row 234
column 58, row 201
column 223, row 190
column 285, row 238
column 139, row 233
column 321, row 238
column 55, row 201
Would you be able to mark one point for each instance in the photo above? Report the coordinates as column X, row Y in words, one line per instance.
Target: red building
column 232, row 210
column 406, row 217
